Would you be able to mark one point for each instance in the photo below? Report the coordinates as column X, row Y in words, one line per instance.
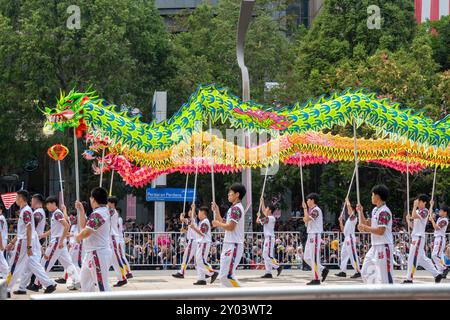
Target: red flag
column 9, row 199
column 431, row 9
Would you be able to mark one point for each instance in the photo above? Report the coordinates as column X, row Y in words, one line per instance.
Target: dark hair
column 119, row 211
column 23, row 194
column 52, row 199
column 424, row 198
column 239, row 188
column 382, row 191
column 445, row 208
column 113, row 200
column 39, row 197
column 100, row 195
column 272, row 208
column 205, row 209
column 313, row 196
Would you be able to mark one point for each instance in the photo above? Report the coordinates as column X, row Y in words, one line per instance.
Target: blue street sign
column 169, row 194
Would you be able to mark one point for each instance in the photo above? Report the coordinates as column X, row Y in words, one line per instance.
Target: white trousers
column 268, row 252
column 349, row 252
column 116, row 261
column 94, row 271
column 229, row 259
column 201, row 261
column 125, row 262
column 188, row 254
column 438, row 253
column 312, row 254
column 417, row 257
column 378, row 265
column 20, row 262
column 76, row 254
column 4, row 269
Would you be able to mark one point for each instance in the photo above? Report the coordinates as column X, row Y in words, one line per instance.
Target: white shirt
column 191, row 234
column 39, row 220
column 56, row 227
column 100, row 222
column 4, row 229
column 120, row 228
column 420, row 224
column 25, row 218
column 73, row 230
column 442, row 222
column 316, row 224
column 382, row 216
column 114, row 222
column 269, row 226
column 205, row 228
column 350, row 224
column 236, row 214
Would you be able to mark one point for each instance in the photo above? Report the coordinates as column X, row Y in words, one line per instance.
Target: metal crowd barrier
column 165, row 249
column 332, row 292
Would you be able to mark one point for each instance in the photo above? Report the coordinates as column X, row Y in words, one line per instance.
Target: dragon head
column 68, row 111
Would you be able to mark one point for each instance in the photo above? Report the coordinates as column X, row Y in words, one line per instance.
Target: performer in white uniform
column 416, row 256
column 204, row 244
column 378, row 265
column 27, row 250
column 192, row 242
column 121, row 245
column 440, row 227
column 233, row 242
column 348, row 247
column 95, row 233
column 268, row 221
column 40, row 221
column 313, row 219
column 116, row 260
column 4, row 269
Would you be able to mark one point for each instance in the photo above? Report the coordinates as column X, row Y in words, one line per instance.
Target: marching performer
column 348, row 250
column 268, row 221
column 233, row 243
column 204, row 244
column 416, row 256
column 440, row 227
column 191, row 249
column 95, row 233
column 116, row 261
column 4, row 269
column 121, row 245
column 313, row 219
column 27, row 250
column 379, row 260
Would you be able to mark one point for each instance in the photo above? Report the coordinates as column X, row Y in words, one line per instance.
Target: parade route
column 162, row 279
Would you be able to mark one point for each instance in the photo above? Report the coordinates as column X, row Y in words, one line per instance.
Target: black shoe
column 407, row 281
column 200, row 283
column 178, row 275
column 8, row 295
column 356, row 276
column 61, row 280
column 20, row 292
column 50, row 289
column 444, row 274
column 120, row 283
column 129, row 276
column 324, row 274
column 341, row 275
column 214, row 276
column 438, row 278
column 33, row 287
column 280, row 268
column 39, row 286
column 313, row 282
column 267, row 276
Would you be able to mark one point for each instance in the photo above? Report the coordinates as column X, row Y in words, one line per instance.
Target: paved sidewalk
column 162, row 279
